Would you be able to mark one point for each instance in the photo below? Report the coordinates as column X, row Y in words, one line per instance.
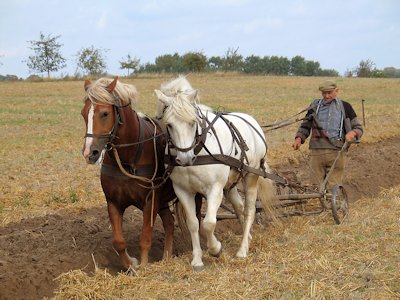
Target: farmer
column 331, row 122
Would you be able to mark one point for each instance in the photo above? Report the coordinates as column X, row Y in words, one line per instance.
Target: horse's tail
column 266, row 191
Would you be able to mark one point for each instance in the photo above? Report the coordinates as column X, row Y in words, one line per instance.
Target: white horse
column 196, row 132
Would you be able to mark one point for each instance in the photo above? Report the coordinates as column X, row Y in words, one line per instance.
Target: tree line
column 232, row 61
column 47, row 58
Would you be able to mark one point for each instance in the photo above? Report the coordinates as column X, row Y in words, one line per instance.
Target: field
column 55, row 239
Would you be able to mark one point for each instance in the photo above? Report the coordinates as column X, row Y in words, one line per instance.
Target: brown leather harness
column 241, row 165
column 132, row 170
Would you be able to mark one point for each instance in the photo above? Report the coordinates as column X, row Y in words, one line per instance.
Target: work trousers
column 322, row 161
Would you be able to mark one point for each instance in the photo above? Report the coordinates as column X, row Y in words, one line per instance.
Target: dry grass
column 308, row 258
column 42, row 131
column 42, row 170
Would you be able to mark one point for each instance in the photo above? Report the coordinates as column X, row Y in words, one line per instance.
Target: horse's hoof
column 198, row 268
column 134, row 263
column 218, row 254
column 241, row 254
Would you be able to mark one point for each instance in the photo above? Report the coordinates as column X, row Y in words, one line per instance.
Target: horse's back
column 252, row 134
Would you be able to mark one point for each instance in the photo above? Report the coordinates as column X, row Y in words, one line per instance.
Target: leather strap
column 226, row 160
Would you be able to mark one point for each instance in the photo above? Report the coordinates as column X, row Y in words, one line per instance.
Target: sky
column 338, row 34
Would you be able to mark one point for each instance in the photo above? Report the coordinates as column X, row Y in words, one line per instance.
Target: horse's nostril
column 95, row 152
column 178, row 161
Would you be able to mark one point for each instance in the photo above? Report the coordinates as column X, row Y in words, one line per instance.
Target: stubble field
column 53, row 221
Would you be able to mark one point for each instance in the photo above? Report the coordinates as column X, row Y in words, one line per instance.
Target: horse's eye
column 104, row 114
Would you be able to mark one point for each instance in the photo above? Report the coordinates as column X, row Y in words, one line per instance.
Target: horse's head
column 102, row 113
column 179, row 115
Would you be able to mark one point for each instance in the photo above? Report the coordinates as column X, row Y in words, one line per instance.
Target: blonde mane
column 126, row 92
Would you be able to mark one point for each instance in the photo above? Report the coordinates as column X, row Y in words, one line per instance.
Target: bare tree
column 232, row 60
column 365, row 68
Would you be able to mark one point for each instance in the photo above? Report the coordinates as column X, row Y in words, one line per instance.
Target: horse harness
column 131, row 170
column 199, row 143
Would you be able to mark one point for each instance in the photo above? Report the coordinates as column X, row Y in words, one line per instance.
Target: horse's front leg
column 214, row 199
column 189, row 205
column 150, row 211
column 119, row 243
column 250, row 182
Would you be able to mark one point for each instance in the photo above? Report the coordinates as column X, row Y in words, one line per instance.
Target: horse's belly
column 200, row 179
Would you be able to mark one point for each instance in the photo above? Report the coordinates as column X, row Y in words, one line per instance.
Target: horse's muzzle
column 184, row 160
column 91, row 155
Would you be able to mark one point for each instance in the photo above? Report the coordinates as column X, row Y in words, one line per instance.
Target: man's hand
column 351, row 136
column 297, row 143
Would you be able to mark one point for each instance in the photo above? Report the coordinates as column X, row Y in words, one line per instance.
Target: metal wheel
column 340, row 204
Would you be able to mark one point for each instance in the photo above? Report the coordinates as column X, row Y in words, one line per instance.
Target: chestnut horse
column 130, row 148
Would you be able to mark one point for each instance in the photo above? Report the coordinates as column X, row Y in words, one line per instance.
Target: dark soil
column 35, row 251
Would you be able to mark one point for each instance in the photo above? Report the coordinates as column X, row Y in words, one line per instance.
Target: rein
column 145, row 180
column 287, row 122
column 118, row 120
column 151, row 183
column 147, row 183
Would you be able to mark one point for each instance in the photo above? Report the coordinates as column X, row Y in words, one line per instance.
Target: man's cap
column 327, row 86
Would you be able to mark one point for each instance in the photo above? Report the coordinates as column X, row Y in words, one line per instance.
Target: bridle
column 118, row 120
column 199, row 139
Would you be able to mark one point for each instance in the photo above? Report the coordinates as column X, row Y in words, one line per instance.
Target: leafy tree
column 148, row 67
column 365, row 68
column 47, row 57
column 194, row 61
column 92, row 60
column 254, row 65
column 378, row 74
column 130, row 63
column 312, row 68
column 278, row 65
column 298, row 66
column 391, row 72
column 331, row 73
column 169, row 63
column 215, row 63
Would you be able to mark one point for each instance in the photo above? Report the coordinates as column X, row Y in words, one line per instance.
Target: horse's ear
column 110, row 88
column 163, row 98
column 87, row 84
column 193, row 95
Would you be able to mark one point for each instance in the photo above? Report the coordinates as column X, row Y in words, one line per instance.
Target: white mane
column 183, row 101
column 176, row 86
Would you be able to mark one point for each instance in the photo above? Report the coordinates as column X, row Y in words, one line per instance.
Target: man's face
column 329, row 96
